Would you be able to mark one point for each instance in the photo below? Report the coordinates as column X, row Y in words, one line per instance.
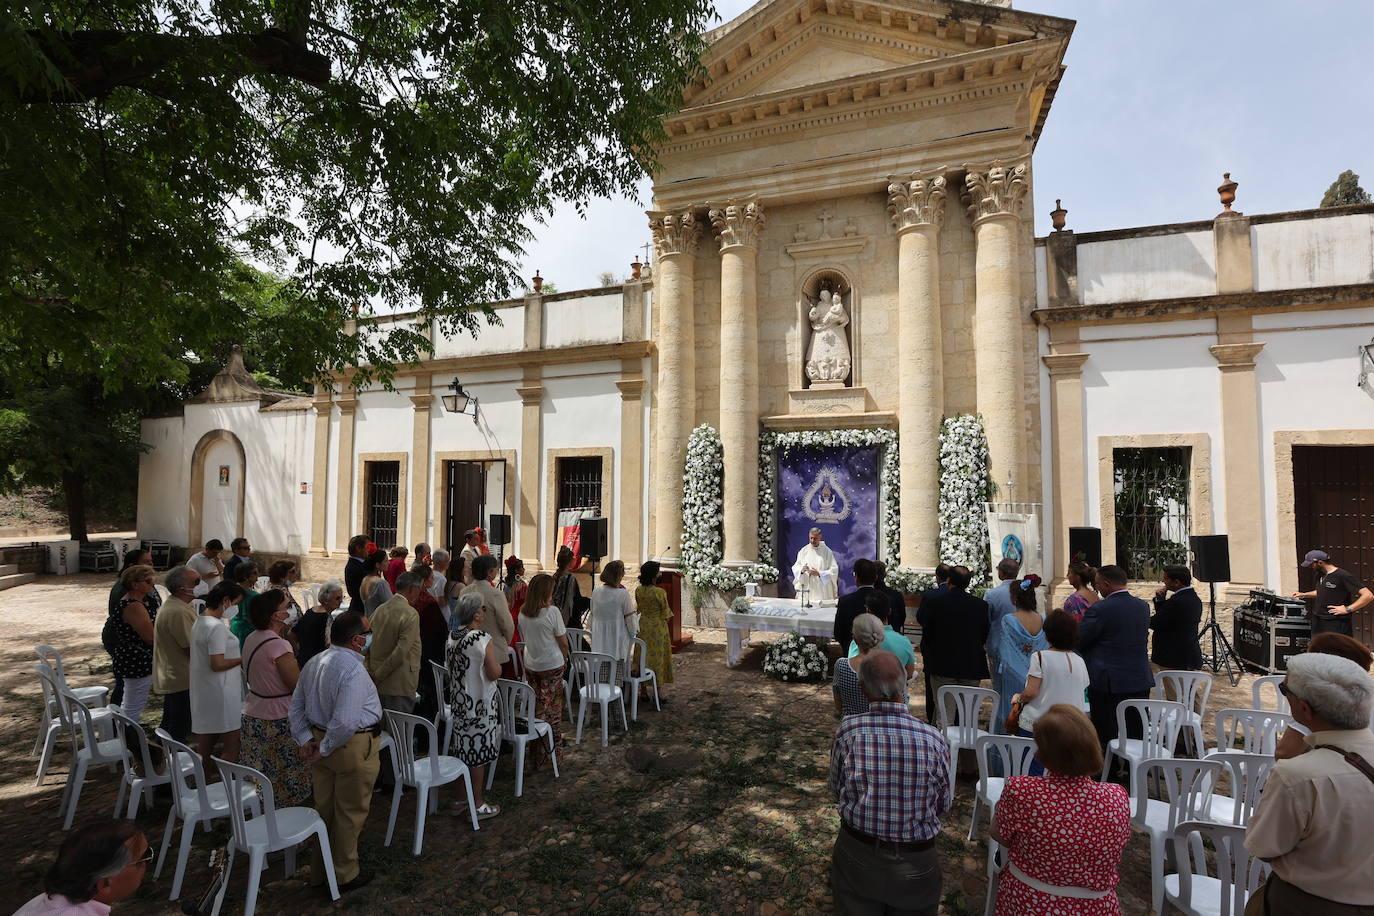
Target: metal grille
column 383, row 498
column 579, row 483
column 1152, row 514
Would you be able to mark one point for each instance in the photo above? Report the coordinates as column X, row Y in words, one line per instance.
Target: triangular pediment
column 786, row 44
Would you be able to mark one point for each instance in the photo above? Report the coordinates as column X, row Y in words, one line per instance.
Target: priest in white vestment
column 816, row 569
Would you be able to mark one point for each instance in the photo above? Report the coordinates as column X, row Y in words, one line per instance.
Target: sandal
column 487, row 810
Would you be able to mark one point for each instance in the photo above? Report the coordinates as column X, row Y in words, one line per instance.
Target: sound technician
column 1338, row 594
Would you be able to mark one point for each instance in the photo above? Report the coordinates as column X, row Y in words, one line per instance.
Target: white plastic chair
column 1249, row 773
column 1254, row 731
column 597, row 673
column 94, row 697
column 519, row 727
column 1161, row 721
column 443, row 718
column 1265, row 693
column 1193, row 689
column 966, row 705
column 997, row 860
column 55, row 724
column 646, row 675
column 578, row 639
column 517, row 659
column 89, row 748
column 1187, row 785
column 424, row 774
column 275, row 828
column 195, row 802
column 1016, row 754
column 1193, row 890
column 137, row 787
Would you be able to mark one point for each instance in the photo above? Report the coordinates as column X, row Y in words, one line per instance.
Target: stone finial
column 1227, row 191
column 636, row 269
column 1058, row 215
column 538, row 282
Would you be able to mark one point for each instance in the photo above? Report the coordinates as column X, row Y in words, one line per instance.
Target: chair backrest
column 964, row 705
column 637, row 649
column 80, row 716
column 1265, row 693
column 595, row 669
column 1255, row 730
column 1249, row 773
column 1187, row 787
column 128, row 729
column 516, row 699
column 1016, row 753
column 188, row 782
column 578, row 638
column 1193, row 688
column 239, row 780
column 1161, row 721
column 440, row 675
column 53, row 659
column 402, row 727
column 54, row 697
column 1238, row 873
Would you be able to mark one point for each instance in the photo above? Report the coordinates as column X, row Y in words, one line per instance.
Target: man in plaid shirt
column 890, row 773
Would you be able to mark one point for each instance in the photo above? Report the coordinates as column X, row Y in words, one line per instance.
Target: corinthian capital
column 997, row 189
column 917, row 202
column 738, row 222
column 674, row 232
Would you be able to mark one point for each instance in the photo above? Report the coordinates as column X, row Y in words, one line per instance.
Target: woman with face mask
column 216, row 682
column 270, row 670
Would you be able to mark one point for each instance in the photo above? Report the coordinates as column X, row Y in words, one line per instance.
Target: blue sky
column 1160, row 98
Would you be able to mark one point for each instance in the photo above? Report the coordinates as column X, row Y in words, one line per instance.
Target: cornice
column 1349, row 296
column 841, row 247
column 1062, row 364
column 524, row 359
column 1236, row 356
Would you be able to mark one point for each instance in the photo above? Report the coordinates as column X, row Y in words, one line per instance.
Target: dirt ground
column 716, row 804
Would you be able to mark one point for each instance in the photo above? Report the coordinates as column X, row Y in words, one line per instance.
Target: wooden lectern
column 670, row 580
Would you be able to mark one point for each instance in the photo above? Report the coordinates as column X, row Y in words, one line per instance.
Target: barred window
column 579, row 483
column 1152, row 509
column 383, row 501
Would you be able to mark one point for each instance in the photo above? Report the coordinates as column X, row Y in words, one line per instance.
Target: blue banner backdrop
column 834, row 489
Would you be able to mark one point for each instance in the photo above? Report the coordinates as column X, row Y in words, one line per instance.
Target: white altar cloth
column 785, row 615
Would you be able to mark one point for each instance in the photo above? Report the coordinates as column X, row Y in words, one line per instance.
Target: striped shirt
column 334, row 693
column 890, row 773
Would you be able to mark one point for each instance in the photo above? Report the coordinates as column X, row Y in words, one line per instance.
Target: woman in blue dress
column 1023, row 634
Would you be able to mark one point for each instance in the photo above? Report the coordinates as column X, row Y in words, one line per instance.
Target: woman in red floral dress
column 1063, row 832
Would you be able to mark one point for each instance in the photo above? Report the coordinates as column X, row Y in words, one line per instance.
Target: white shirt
column 209, row 572
column 1063, row 679
column 823, row 583
column 468, row 553
column 541, row 639
column 334, row 693
column 43, row 905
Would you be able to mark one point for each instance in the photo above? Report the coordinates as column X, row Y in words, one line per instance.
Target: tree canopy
column 1345, row 190
column 379, row 156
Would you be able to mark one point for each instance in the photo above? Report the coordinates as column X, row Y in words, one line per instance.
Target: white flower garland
column 792, row 658
column 702, row 511
column 964, row 487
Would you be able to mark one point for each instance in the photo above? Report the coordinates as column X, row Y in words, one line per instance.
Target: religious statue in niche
column 827, row 359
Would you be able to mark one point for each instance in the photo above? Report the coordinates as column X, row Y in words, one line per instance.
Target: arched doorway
column 218, row 467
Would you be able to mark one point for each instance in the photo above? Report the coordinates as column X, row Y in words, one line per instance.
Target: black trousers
column 176, row 715
column 1102, row 710
column 1342, row 624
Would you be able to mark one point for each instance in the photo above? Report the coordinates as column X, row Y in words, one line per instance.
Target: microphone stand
column 1225, row 655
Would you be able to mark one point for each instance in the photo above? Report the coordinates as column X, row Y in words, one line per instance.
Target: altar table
column 785, row 615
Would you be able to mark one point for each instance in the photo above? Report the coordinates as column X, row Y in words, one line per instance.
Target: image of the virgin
column 224, row 475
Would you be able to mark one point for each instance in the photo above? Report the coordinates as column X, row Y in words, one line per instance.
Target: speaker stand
column 1223, row 655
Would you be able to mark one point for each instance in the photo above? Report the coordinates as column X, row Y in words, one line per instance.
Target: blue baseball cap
column 1315, row 556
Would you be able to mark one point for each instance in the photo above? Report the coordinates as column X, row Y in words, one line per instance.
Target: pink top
column 43, row 905
column 262, row 700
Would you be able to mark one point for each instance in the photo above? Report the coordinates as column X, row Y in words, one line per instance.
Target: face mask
column 367, row 642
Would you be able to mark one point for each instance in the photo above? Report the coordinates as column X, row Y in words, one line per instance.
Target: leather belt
column 373, row 730
column 898, row 845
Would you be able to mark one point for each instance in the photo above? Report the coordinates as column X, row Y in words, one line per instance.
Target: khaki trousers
column 878, row 881
column 1277, row 897
column 343, row 796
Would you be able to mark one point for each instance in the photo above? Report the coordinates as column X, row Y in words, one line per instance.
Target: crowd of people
column 259, row 679
column 1059, row 678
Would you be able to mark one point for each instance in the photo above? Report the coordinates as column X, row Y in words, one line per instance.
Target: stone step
column 8, row 569
column 13, row 579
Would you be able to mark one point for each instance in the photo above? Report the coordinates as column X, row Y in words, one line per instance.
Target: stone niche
column 828, row 330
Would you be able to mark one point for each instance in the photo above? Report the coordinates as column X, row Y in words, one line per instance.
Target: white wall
column 1147, row 267
column 582, row 410
column 587, row 319
column 164, row 481
column 1301, row 253
column 280, row 457
column 507, row 336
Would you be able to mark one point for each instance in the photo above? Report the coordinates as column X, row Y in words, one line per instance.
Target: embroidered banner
column 834, row 489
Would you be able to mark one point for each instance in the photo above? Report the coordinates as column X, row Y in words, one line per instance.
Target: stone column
column 319, row 483
column 531, row 398
column 918, row 209
column 343, row 524
column 1066, row 416
column 675, row 238
column 998, row 194
column 419, row 459
column 1240, row 436
column 631, row 469
column 738, row 223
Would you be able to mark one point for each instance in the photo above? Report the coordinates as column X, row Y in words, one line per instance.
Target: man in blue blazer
column 1114, row 641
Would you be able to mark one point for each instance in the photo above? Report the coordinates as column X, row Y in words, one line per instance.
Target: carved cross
column 645, row 246
column 825, row 217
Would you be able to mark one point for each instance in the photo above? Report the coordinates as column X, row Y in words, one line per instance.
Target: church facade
column 843, row 239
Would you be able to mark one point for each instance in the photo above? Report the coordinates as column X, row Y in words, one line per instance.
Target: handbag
column 1013, row 723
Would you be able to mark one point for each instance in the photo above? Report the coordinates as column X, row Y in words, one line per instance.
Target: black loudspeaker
column 1085, row 545
column 1211, row 557
column 593, row 537
column 498, row 529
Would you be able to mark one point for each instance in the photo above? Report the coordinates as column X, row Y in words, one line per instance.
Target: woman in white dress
column 216, row 679
column 614, row 621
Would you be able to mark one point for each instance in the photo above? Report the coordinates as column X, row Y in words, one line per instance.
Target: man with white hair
column 440, row 565
column 816, row 568
column 1313, row 819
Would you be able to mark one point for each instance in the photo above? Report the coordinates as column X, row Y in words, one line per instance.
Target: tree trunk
column 74, row 489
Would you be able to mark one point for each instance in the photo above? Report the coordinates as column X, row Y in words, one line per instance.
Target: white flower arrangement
column 792, row 658
column 910, row 581
column 964, row 488
column 741, row 605
column 889, row 476
column 702, row 511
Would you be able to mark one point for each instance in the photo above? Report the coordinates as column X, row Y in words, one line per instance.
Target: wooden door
column 465, row 503
column 1333, row 496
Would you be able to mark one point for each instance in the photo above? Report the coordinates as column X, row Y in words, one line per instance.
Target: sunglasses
column 1283, row 689
column 144, row 860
